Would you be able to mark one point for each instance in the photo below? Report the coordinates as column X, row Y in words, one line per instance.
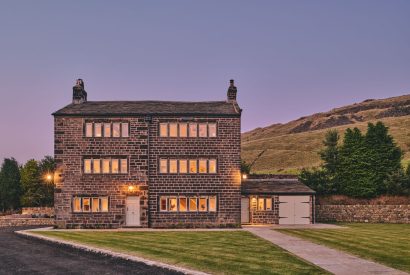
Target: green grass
column 388, row 244
column 218, row 252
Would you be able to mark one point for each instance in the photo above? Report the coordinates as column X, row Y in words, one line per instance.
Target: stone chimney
column 79, row 94
column 232, row 92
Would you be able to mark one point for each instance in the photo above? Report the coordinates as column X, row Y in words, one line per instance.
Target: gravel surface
column 21, row 255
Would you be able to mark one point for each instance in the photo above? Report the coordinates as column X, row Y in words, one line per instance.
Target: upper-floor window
column 107, row 129
column 184, row 204
column 105, row 166
column 184, row 166
column 191, row 129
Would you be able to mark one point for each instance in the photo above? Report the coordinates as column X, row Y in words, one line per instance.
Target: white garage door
column 294, row 210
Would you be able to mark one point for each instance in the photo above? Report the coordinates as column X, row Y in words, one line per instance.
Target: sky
column 288, row 58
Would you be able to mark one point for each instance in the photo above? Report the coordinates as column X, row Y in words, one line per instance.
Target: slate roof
column 275, row 186
column 125, row 108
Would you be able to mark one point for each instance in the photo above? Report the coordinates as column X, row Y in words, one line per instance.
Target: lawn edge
column 107, row 252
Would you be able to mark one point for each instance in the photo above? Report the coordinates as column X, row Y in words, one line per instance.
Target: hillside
column 295, row 145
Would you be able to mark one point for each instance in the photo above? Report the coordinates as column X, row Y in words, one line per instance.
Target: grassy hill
column 294, row 145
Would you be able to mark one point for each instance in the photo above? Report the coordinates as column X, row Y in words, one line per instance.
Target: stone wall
column 38, row 211
column 6, row 222
column 363, row 213
column 264, row 217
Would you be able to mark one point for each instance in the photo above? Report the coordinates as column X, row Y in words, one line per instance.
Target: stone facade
column 363, row 213
column 267, row 216
column 143, row 148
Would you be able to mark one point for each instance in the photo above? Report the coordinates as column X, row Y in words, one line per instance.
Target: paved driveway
column 19, row 255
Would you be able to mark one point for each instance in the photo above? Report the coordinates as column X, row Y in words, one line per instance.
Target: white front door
column 245, row 210
column 294, row 209
column 133, row 211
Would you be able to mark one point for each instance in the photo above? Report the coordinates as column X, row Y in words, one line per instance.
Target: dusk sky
column 288, row 58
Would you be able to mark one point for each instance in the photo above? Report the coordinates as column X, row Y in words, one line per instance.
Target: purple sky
column 288, row 58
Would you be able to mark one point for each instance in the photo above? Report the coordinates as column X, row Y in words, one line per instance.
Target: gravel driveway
column 20, row 255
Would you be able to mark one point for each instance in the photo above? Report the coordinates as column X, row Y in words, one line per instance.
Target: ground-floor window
column 264, row 204
column 90, row 204
column 188, row 203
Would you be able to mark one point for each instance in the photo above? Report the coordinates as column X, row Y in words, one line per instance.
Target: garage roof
column 275, row 186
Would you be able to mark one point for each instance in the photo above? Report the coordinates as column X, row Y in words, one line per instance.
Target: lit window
column 163, row 204
column 212, row 204
column 193, row 130
column 202, row 204
column 173, row 204
column 212, row 129
column 87, row 166
column 124, row 130
column 173, row 130
column 192, row 166
column 268, row 204
column 124, row 166
column 116, row 130
column 163, row 129
column 88, row 129
column 96, row 205
column 77, row 205
column 193, row 204
column 107, row 129
column 212, row 166
column 202, row 130
column 183, row 166
column 114, row 166
column 261, row 204
column 98, row 130
column 104, row 204
column 163, row 166
column 86, row 205
column 182, row 204
column 173, row 168
column 106, row 166
column 96, row 166
column 202, row 166
column 183, row 130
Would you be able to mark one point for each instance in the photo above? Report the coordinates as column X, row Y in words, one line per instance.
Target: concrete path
column 332, row 260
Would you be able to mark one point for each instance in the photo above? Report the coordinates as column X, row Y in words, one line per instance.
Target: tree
column 31, row 183
column 10, row 188
column 47, row 167
column 330, row 154
column 317, row 179
column 397, row 183
column 245, row 167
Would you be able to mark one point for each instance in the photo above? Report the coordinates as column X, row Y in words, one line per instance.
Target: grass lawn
column 218, row 252
column 388, row 244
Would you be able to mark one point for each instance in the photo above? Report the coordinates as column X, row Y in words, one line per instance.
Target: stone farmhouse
column 162, row 164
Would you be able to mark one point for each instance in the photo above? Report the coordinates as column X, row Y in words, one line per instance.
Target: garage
column 270, row 199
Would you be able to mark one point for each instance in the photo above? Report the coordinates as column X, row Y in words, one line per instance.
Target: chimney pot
column 232, row 91
column 79, row 94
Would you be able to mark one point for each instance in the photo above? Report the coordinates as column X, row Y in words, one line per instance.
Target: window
column 172, row 204
column 107, row 129
column 106, row 166
column 183, row 166
column 124, row 166
column 193, row 130
column 124, row 129
column 202, row 204
column 163, row 129
column 182, row 204
column 86, row 204
column 77, row 205
column 183, row 130
column 114, row 166
column 163, row 204
column 212, row 166
column 212, row 129
column 97, row 130
column 268, row 204
column 261, row 204
column 212, row 204
column 163, row 166
column 193, row 204
column 173, row 130
column 202, row 166
column 192, row 166
column 96, row 166
column 90, row 204
column 88, row 129
column 173, row 168
column 116, row 130
column 202, row 130
column 87, row 166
